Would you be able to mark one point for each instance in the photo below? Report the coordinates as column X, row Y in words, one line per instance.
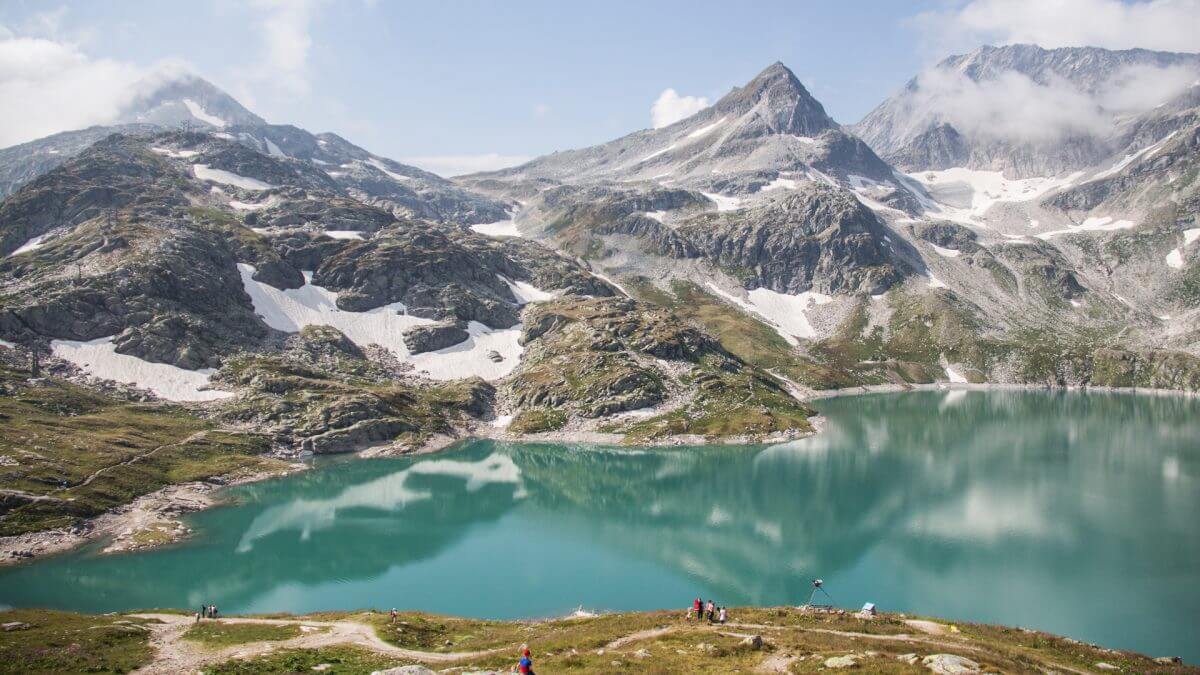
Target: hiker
column 525, row 665
column 711, row 609
column 393, row 615
column 722, row 615
column 690, row 613
column 203, row 612
column 214, row 611
column 698, row 605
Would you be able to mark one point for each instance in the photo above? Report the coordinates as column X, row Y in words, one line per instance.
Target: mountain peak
column 175, row 98
column 781, row 99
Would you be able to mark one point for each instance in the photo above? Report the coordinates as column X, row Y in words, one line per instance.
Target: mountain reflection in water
column 1068, row 511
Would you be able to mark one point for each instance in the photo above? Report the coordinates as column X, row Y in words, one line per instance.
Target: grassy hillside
column 778, row 640
column 69, row 453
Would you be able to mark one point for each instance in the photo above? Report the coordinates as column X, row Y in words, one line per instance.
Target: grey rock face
column 429, row 338
column 771, row 124
column 817, row 238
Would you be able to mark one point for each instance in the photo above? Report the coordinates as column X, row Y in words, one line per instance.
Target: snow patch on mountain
column 965, row 195
column 204, row 172
column 945, row 252
column 502, row 228
column 343, row 234
column 32, row 245
column 1175, row 257
column 779, row 184
column 175, row 154
column 705, row 129
column 203, row 115
column 785, row 313
column 526, row 292
column 723, row 202
column 99, row 357
column 1093, row 224
column 390, row 174
column 1131, row 158
column 312, row 305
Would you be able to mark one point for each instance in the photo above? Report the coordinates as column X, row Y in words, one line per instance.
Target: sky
column 455, row 85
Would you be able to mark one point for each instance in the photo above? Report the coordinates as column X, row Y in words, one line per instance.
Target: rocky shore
column 150, row 520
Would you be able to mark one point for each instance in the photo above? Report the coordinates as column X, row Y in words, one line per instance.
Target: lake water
column 1071, row 512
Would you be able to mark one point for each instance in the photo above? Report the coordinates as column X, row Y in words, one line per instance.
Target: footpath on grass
column 764, row 640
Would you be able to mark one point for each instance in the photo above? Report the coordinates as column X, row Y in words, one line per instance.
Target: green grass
column 63, row 642
column 537, row 420
column 342, row 660
column 57, row 435
column 740, row 334
column 216, row 635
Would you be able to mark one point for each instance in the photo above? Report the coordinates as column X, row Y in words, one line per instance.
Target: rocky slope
column 853, row 262
column 769, row 130
column 199, row 268
column 191, row 103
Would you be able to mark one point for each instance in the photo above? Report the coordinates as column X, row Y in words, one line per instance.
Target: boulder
column 753, row 642
column 949, row 664
column 847, row 661
column 432, row 337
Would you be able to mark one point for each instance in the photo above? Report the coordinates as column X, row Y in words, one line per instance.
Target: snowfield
column 945, row 252
column 31, row 245
column 1093, row 224
column 785, row 313
column 525, row 292
column 964, row 195
column 390, row 174
column 723, row 203
column 502, row 228
column 343, row 234
column 705, row 129
column 1131, row 158
column 203, row 172
column 311, row 305
column 1174, row 258
column 779, row 184
column 177, row 154
column 99, row 357
column 203, row 115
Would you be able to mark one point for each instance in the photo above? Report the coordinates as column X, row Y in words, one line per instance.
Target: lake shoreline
column 818, row 394
column 149, row 521
column 153, row 520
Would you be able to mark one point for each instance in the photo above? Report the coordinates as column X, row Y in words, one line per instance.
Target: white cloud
column 1169, row 25
column 671, row 107
column 457, row 165
column 286, row 41
column 1010, row 105
column 48, row 86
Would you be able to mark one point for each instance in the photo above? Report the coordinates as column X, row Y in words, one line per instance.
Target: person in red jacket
column 698, row 605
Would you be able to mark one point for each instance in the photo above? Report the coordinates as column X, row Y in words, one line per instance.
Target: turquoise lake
column 1077, row 513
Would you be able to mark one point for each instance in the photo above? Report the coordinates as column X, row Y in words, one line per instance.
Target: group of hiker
column 709, row 611
column 206, row 612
